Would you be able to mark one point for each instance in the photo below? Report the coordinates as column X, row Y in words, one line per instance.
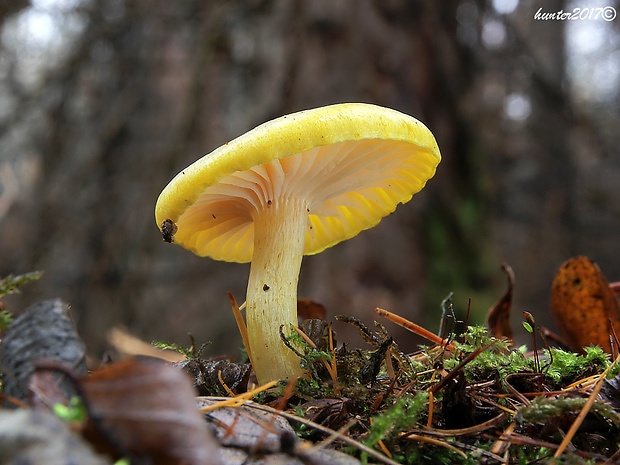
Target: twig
column 240, row 399
column 453, row 446
column 414, row 328
column 224, row 385
column 431, row 407
column 437, row 387
column 305, row 337
column 584, row 411
column 462, row 431
column 446, row 306
column 520, row 396
column 346, row 439
column 336, row 434
column 499, row 446
column 436, row 442
column 243, row 330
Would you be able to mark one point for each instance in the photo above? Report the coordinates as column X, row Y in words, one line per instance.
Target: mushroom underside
column 347, row 187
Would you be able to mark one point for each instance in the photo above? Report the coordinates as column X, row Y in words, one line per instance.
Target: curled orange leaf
column 498, row 316
column 583, row 305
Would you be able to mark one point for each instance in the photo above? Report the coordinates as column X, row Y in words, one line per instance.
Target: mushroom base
column 279, row 234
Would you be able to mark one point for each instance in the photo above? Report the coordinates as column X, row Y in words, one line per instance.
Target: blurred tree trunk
column 145, row 87
column 144, row 91
column 533, row 211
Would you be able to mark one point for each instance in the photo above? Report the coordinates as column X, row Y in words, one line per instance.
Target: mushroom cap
column 353, row 163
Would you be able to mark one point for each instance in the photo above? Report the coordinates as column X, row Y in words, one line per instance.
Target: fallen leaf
column 318, row 331
column 332, row 413
column 308, row 308
column 250, row 435
column 498, row 317
column 129, row 345
column 583, row 305
column 146, row 409
column 245, row 428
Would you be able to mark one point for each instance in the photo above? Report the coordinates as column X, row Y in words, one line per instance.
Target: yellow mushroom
column 290, row 187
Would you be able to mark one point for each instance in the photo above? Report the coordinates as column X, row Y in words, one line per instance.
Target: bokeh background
column 102, row 102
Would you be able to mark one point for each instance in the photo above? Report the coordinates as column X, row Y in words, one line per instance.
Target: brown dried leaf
column 498, row 317
column 127, row 344
column 251, row 435
column 584, row 305
column 309, row 309
column 318, row 331
column 332, row 413
column 245, row 428
column 147, row 409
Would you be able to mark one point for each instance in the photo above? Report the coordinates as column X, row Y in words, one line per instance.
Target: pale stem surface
column 279, row 234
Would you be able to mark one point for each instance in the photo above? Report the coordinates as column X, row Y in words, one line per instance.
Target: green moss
column 565, row 368
column 497, row 361
column 400, row 417
column 544, row 410
column 12, row 284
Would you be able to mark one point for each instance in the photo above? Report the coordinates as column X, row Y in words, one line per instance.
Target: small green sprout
column 75, row 412
column 191, row 353
column 6, row 318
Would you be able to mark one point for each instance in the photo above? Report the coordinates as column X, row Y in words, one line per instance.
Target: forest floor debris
column 468, row 397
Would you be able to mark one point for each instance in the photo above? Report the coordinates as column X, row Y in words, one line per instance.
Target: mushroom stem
column 279, row 235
